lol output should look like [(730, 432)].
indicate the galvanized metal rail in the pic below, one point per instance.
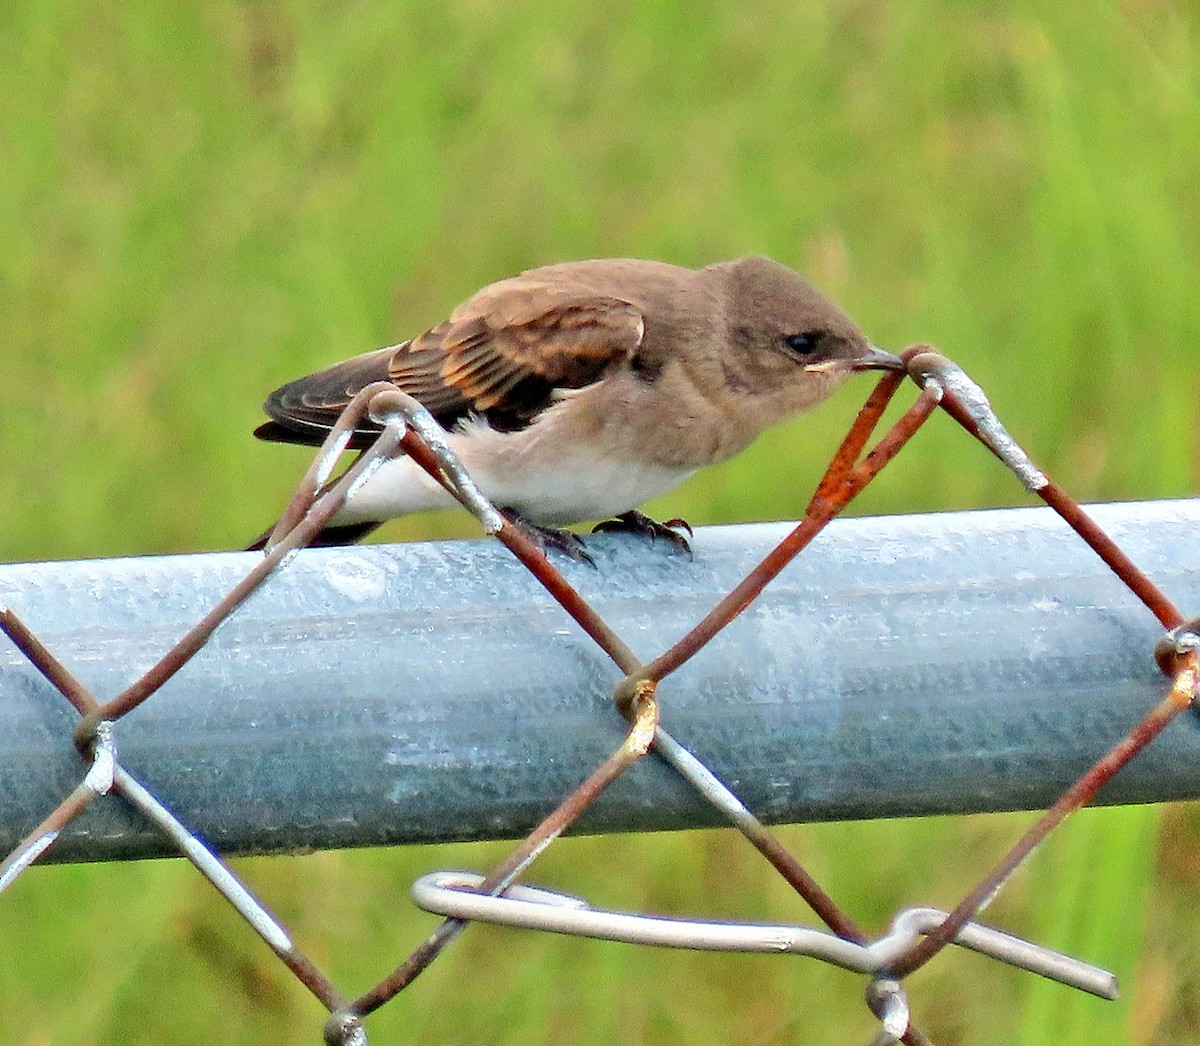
[(410, 693)]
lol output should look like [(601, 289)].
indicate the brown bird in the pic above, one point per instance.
[(578, 391)]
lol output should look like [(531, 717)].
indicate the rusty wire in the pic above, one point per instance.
[(407, 428)]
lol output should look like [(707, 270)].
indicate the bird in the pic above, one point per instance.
[(579, 390)]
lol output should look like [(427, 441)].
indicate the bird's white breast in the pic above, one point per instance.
[(545, 472)]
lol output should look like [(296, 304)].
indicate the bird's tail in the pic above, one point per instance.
[(347, 534)]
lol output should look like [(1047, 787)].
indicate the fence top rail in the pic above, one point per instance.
[(903, 665)]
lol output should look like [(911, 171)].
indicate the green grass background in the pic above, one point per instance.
[(200, 200)]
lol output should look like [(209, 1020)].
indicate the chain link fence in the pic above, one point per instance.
[(614, 613)]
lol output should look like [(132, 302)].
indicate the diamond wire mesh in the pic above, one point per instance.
[(406, 429)]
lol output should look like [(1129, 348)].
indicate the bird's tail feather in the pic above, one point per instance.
[(347, 534)]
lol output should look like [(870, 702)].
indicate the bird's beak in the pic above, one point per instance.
[(878, 359), (872, 359)]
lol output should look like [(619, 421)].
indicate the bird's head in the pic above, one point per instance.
[(790, 345)]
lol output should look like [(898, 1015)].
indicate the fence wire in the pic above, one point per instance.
[(915, 937)]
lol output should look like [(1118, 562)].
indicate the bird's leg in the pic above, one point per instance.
[(546, 538), (634, 522)]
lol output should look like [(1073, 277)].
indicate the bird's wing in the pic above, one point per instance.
[(502, 356), (304, 410)]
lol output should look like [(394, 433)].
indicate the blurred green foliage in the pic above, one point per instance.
[(201, 200)]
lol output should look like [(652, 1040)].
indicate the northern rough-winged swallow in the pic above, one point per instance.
[(578, 391)]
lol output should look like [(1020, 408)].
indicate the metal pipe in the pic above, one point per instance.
[(411, 693)]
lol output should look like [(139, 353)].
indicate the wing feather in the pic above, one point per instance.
[(502, 355)]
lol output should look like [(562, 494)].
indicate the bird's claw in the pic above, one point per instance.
[(567, 542), (634, 522)]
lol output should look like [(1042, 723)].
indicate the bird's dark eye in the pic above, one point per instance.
[(805, 344)]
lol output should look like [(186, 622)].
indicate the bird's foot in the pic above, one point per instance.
[(676, 531), (567, 542)]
